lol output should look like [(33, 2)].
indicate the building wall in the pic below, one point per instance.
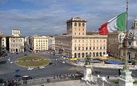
[(51, 43), (113, 46), (77, 44), (0, 46), (131, 44), (94, 45), (3, 44), (15, 32), (63, 45), (40, 43), (76, 26), (16, 44)]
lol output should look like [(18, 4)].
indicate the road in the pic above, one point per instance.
[(7, 71)]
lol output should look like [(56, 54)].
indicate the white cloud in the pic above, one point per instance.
[(51, 15)]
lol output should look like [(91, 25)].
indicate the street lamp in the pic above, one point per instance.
[(87, 59)]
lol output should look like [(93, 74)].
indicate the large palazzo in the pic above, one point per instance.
[(78, 43)]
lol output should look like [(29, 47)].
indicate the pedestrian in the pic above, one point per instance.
[(108, 77)]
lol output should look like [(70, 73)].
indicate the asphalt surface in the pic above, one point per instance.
[(8, 70)]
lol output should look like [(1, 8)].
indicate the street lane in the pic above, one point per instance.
[(7, 71)]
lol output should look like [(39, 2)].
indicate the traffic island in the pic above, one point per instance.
[(32, 61)]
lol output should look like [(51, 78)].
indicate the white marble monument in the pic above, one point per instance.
[(125, 78), (88, 73)]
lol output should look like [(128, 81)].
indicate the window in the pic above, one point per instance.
[(75, 55), (93, 48), (96, 53), (78, 54), (82, 48), (82, 54), (75, 24), (90, 48), (78, 48), (93, 54), (100, 54), (79, 24), (129, 43), (83, 24), (86, 48)]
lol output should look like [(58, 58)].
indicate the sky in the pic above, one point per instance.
[(48, 17)]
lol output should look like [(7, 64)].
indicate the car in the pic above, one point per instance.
[(17, 75), (63, 62), (41, 67), (25, 54), (3, 62), (50, 63), (26, 77), (30, 68), (11, 62), (17, 70)]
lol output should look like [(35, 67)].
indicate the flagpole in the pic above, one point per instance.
[(126, 39)]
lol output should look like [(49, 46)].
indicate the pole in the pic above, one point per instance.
[(126, 67)]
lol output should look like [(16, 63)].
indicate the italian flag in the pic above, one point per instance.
[(114, 24)]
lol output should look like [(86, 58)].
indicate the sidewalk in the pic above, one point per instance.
[(101, 65)]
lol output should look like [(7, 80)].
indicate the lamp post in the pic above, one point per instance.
[(88, 69)]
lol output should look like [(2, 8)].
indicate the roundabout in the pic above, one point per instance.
[(32, 61)]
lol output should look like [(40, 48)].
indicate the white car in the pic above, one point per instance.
[(63, 62), (41, 67), (30, 68)]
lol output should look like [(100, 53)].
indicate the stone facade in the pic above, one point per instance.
[(132, 43), (39, 43), (15, 44), (77, 44)]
